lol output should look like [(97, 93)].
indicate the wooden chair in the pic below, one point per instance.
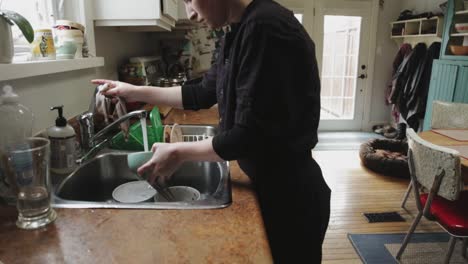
[(438, 189), (445, 115)]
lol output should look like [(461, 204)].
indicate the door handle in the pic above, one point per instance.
[(362, 76)]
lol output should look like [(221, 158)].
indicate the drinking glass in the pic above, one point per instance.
[(28, 167)]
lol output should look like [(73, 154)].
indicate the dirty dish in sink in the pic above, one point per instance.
[(133, 192), (180, 193)]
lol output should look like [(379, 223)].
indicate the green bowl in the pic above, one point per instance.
[(137, 159)]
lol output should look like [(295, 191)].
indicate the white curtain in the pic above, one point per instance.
[(40, 13)]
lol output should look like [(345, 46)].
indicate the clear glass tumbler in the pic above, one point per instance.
[(28, 165)]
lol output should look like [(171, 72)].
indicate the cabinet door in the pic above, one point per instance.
[(442, 88), (461, 90), (171, 8), (126, 10), (182, 15)]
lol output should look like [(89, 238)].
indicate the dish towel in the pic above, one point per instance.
[(111, 108)]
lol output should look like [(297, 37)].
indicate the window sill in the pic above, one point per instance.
[(37, 68)]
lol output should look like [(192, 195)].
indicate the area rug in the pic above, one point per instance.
[(424, 248)]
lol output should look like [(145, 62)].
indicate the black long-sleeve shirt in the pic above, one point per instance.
[(266, 84)]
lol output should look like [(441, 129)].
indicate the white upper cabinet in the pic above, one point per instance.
[(170, 8), (182, 13), (154, 14)]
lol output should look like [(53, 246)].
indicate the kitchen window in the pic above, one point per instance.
[(299, 17), (44, 13), (40, 13)]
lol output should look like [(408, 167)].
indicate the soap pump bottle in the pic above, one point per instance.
[(62, 144)]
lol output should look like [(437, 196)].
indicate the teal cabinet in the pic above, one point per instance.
[(449, 82), (449, 79), (455, 14)]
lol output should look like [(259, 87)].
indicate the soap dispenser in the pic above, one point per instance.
[(62, 144)]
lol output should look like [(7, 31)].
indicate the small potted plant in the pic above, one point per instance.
[(7, 19)]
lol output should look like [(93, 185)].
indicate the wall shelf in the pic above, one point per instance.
[(36, 68), (413, 31), (459, 35), (415, 36)]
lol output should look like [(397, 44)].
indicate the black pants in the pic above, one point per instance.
[(295, 205)]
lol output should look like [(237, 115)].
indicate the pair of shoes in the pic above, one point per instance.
[(401, 131)]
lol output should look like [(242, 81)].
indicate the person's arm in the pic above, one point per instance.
[(168, 157), (201, 94), (192, 95), (171, 96)]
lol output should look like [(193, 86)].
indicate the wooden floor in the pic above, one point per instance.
[(356, 190)]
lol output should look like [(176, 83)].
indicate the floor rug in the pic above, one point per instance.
[(424, 248)]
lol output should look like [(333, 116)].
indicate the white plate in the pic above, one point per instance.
[(133, 192)]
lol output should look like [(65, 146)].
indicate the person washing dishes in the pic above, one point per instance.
[(267, 88)]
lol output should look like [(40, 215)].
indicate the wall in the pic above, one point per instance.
[(117, 46), (295, 5), (384, 55), (73, 89), (420, 6)]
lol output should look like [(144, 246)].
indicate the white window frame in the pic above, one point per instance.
[(83, 12)]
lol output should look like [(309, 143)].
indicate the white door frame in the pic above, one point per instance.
[(310, 7)]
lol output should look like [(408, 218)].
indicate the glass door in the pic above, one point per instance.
[(342, 41)]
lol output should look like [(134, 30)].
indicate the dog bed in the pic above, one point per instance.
[(386, 156)]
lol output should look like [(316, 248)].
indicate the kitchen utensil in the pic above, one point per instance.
[(28, 168), (459, 50), (180, 193), (135, 135), (136, 160), (167, 134), (461, 27), (176, 134)]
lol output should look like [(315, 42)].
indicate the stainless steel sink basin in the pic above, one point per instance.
[(92, 184)]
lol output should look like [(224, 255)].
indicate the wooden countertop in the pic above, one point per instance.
[(231, 235)]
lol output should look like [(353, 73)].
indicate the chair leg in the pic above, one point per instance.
[(410, 187), (409, 234), (450, 249), (464, 247)]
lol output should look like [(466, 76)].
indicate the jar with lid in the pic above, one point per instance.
[(17, 120)]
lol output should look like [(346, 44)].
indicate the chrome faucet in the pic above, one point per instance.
[(90, 142)]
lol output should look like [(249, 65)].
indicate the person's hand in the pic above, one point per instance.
[(118, 89), (165, 161)]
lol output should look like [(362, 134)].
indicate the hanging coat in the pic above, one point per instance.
[(406, 74), (419, 88)]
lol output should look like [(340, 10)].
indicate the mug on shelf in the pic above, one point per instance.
[(43, 47)]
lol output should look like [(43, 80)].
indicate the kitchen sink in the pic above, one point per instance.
[(92, 184)]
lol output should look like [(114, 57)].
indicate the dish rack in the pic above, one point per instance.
[(194, 133), (195, 138)]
